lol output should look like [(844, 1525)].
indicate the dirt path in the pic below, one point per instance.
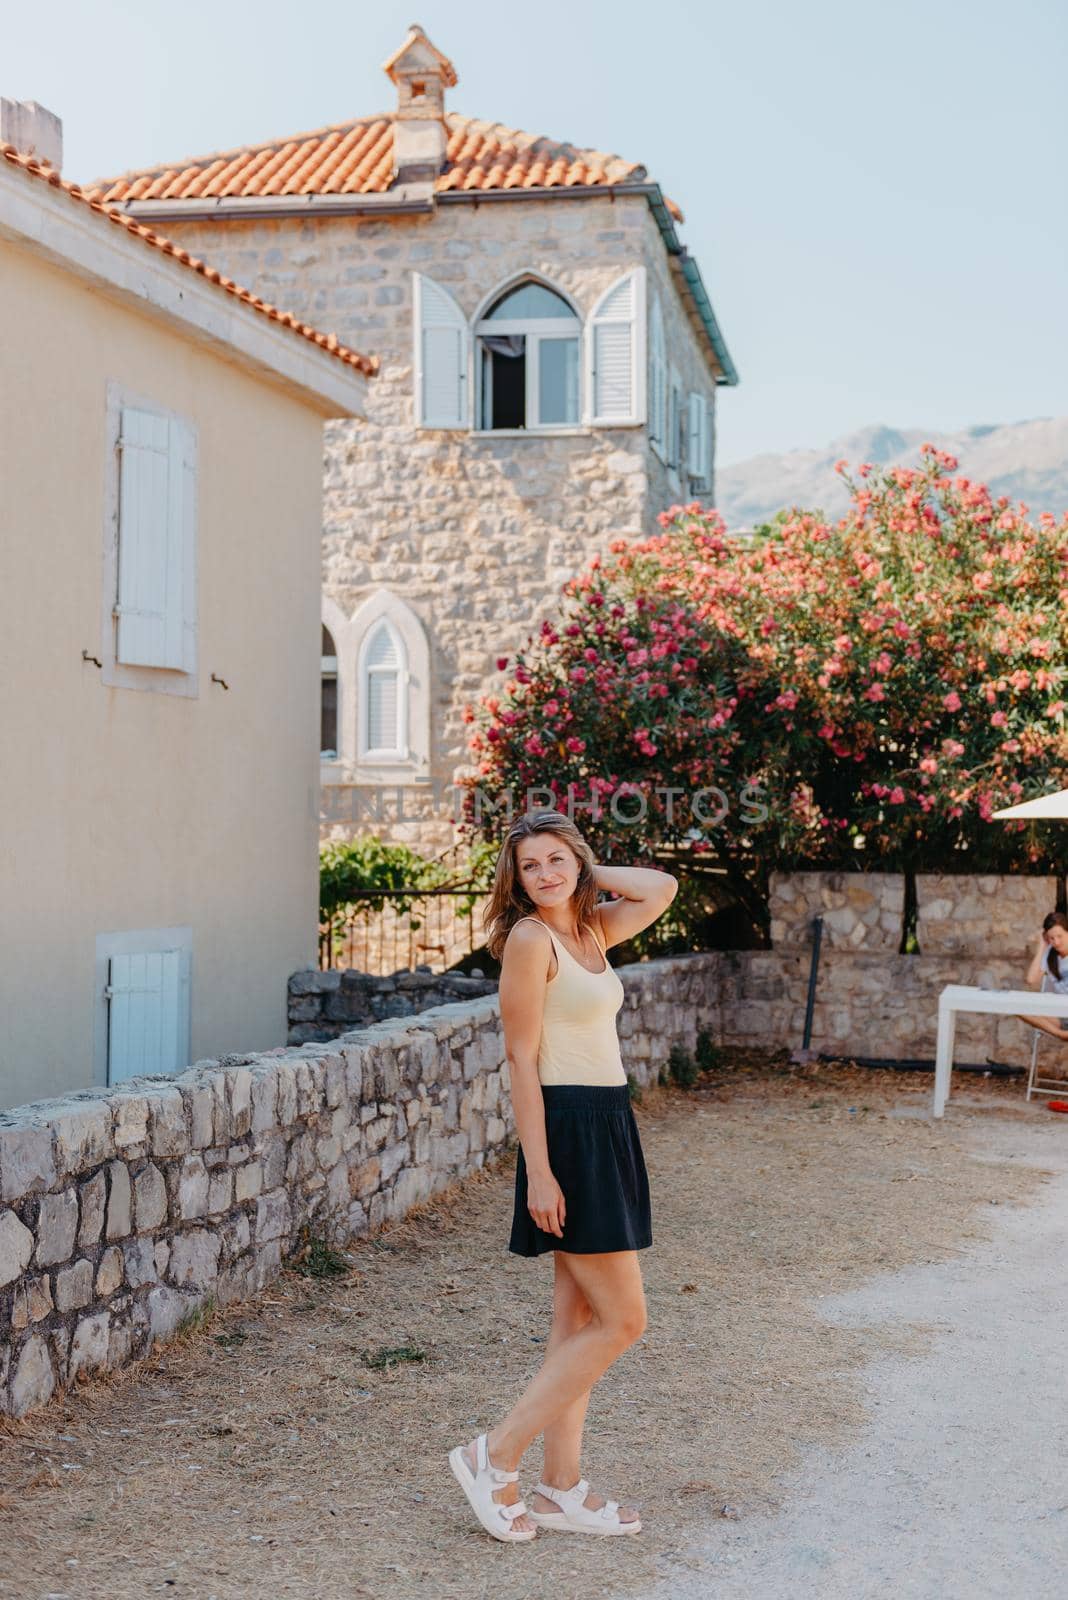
[(273, 1454), (956, 1488)]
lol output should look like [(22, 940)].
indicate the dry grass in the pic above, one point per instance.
[(294, 1446)]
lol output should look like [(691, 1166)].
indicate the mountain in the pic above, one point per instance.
[(1025, 460)]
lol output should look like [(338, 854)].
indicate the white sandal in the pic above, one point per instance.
[(479, 1487), (574, 1516)]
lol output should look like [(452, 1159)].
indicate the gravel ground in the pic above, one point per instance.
[(294, 1447)]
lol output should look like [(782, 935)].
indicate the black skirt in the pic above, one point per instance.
[(595, 1156)]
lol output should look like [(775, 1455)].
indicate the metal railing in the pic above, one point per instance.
[(390, 930)]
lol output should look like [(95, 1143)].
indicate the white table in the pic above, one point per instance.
[(957, 997)]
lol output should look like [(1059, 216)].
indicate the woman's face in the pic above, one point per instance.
[(546, 868), (1058, 938)]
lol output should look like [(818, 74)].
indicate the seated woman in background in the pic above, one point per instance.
[(1050, 962)]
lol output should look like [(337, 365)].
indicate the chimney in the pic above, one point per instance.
[(421, 74), (33, 130)]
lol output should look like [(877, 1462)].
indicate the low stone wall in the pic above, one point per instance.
[(883, 1007), (324, 1005), (871, 1000), (122, 1210)]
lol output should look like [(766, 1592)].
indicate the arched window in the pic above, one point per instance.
[(328, 719), (383, 701), (527, 360)]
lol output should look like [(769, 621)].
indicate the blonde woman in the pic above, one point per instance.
[(581, 1188)]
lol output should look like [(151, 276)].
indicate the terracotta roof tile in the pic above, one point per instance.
[(144, 186), (357, 158)]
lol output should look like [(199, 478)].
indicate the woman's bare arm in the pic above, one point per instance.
[(1038, 963), (521, 993), (646, 891)]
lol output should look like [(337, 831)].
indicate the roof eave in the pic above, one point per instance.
[(422, 198), (249, 208), (43, 220)]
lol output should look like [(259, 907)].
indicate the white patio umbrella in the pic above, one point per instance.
[(1047, 805)]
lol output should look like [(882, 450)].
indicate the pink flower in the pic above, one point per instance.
[(897, 797), (999, 720), (875, 691), (952, 701), (575, 745), (929, 764)]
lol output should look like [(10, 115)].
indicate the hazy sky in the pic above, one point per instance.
[(875, 193)]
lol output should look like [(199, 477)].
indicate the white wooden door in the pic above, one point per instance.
[(147, 1011)]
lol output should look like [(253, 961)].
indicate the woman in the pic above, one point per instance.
[(581, 1188), (1050, 963)]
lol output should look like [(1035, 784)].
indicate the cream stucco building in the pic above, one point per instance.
[(551, 363), (160, 518)]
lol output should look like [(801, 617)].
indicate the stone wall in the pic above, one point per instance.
[(324, 1005), (871, 1000), (122, 1210)]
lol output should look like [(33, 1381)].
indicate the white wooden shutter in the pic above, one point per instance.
[(657, 378), (674, 419), (697, 443), (382, 683), (615, 352), (147, 995), (440, 360), (156, 604), (184, 447)]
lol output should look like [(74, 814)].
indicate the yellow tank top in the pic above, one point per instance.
[(579, 1042)]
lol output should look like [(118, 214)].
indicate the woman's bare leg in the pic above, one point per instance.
[(611, 1285), (562, 1439), (1047, 1025)]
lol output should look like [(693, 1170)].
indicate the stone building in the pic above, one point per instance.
[(550, 361)]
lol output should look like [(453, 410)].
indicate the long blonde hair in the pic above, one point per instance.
[(508, 899)]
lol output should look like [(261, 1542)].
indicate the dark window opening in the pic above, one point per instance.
[(504, 386), (328, 717)]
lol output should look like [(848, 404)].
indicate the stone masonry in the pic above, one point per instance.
[(122, 1210), (324, 1005)]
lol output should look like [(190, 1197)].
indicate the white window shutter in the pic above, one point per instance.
[(147, 997), (440, 358), (674, 418), (657, 377), (615, 352), (184, 453), (697, 444), (156, 544)]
